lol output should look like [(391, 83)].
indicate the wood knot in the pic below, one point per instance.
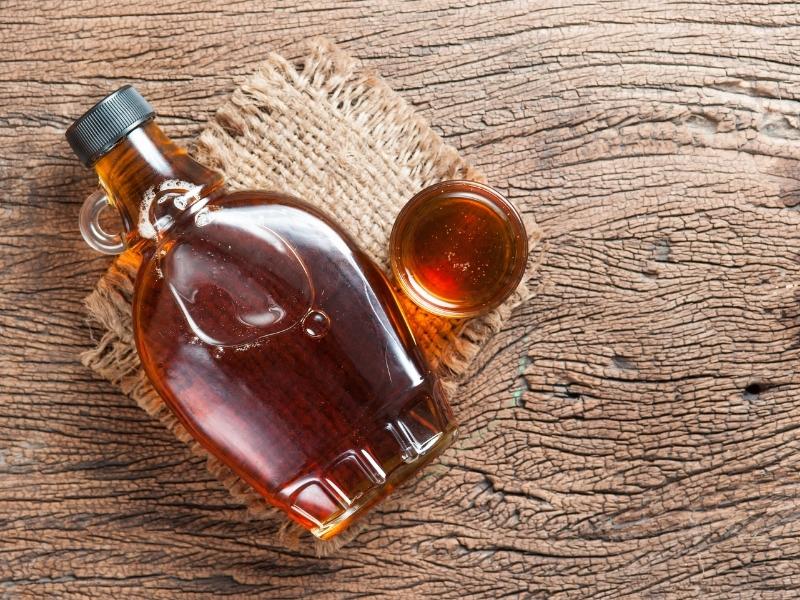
[(754, 390)]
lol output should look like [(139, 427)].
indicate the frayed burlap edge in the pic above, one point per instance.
[(338, 79)]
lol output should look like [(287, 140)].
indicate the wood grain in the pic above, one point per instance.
[(634, 430)]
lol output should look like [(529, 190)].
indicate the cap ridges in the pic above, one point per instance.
[(107, 122)]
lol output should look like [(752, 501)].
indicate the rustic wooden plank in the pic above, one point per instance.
[(632, 432)]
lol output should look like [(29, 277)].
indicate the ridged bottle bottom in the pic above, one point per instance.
[(327, 501)]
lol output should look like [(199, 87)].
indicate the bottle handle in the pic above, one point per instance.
[(91, 230)]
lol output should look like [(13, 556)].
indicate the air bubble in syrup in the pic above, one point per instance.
[(203, 217), (316, 324)]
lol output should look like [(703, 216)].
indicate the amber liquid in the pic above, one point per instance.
[(458, 252), (277, 343)]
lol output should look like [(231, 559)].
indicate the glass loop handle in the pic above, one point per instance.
[(91, 230)]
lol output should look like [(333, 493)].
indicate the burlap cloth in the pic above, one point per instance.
[(336, 135)]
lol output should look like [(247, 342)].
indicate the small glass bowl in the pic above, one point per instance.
[(458, 249)]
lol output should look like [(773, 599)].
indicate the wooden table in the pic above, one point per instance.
[(638, 430)]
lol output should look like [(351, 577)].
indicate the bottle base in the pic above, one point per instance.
[(363, 504), (326, 500)]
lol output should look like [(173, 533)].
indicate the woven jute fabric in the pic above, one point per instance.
[(328, 131)]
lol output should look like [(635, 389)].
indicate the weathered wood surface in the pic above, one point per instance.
[(634, 430)]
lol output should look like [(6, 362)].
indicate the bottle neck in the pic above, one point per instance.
[(152, 181)]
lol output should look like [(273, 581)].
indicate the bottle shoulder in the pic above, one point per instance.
[(256, 226), (254, 236), (267, 199)]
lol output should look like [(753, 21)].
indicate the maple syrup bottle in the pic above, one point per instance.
[(277, 343)]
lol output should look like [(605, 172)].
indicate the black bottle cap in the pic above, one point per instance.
[(107, 122)]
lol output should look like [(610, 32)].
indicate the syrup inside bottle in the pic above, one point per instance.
[(278, 344)]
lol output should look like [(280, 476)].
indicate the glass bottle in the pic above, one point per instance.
[(277, 343)]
